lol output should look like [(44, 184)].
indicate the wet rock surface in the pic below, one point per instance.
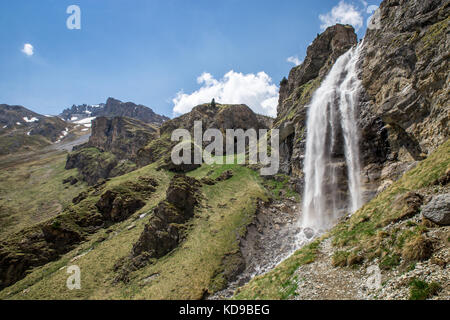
[(272, 237)]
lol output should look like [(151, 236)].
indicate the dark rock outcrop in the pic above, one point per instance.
[(92, 164), (120, 136), (120, 203), (166, 228)]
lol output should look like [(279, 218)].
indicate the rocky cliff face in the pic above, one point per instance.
[(404, 104), (405, 72), (296, 92), (121, 136), (112, 148), (114, 108), (220, 117)]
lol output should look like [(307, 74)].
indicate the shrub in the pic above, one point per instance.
[(421, 290)]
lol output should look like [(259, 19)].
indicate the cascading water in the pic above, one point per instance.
[(332, 157), (332, 146)]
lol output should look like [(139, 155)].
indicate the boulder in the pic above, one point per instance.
[(438, 209)]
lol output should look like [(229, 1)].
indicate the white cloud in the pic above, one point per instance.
[(295, 60), (255, 90), (28, 49), (343, 13)]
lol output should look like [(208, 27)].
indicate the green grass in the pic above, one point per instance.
[(361, 236), (421, 290), (363, 229), (32, 192), (279, 187), (20, 141), (187, 272), (280, 283)]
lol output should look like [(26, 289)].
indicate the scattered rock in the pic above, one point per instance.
[(225, 176), (309, 233)]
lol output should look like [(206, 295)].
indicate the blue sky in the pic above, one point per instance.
[(163, 54)]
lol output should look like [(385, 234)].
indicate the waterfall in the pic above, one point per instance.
[(332, 146)]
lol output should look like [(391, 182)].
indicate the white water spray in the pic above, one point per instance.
[(331, 119)]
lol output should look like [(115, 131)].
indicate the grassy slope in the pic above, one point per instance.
[(361, 233), (32, 191), (195, 266)]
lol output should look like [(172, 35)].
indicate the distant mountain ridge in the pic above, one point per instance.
[(113, 108), (21, 128)]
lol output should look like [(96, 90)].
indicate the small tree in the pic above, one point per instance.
[(213, 103)]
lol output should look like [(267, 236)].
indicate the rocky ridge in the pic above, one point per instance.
[(24, 130), (114, 108)]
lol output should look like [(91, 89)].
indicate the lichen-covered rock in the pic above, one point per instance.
[(438, 209), (225, 176), (119, 203), (116, 206)]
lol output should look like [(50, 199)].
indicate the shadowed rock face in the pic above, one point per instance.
[(296, 92), (164, 230), (121, 136)]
